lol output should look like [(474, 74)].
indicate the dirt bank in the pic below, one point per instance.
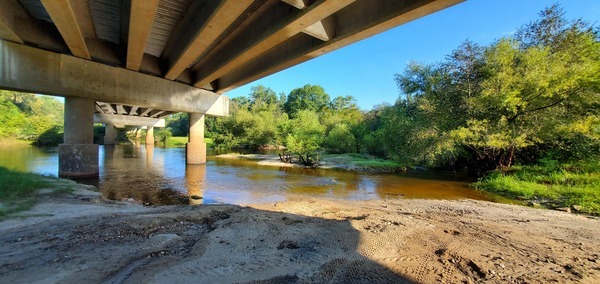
[(83, 239)]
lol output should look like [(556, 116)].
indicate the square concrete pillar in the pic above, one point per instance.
[(110, 134), (196, 148), (195, 153), (150, 135), (78, 160), (78, 156)]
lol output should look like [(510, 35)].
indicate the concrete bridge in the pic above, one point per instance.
[(171, 55)]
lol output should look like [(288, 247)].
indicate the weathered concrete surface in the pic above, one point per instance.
[(33, 70), (110, 134), (150, 136), (128, 120), (196, 148), (79, 120), (78, 157), (196, 153), (78, 160)]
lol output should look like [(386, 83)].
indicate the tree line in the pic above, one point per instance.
[(33, 118), (522, 98)]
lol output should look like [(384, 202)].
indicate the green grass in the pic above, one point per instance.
[(18, 189), (553, 184), (180, 141)]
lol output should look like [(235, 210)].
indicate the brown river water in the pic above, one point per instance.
[(159, 176)]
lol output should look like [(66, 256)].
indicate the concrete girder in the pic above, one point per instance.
[(357, 21), (140, 23), (133, 110), (7, 26), (64, 18), (206, 21), (258, 41), (128, 120), (33, 70)]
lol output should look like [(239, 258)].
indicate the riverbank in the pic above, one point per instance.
[(349, 162), (82, 237)]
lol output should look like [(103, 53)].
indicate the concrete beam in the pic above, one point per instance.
[(262, 41), (63, 16), (205, 24), (300, 4), (7, 26), (33, 70), (323, 30), (128, 120), (357, 21), (140, 23)]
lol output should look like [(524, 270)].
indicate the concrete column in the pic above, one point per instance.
[(110, 134), (78, 156), (195, 176), (150, 135), (196, 148)]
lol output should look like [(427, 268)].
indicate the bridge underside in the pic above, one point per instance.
[(162, 56)]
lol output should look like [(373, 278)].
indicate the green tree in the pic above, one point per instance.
[(163, 135), (178, 124), (309, 97), (489, 106), (306, 135)]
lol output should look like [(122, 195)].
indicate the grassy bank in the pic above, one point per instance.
[(550, 184), (179, 141), (18, 189)]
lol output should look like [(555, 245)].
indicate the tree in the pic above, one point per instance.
[(163, 135), (306, 135), (309, 97), (487, 105), (178, 124)]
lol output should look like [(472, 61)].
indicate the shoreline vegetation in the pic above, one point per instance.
[(18, 190)]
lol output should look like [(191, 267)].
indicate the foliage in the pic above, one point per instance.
[(17, 189), (489, 107), (27, 117), (551, 182), (163, 135), (178, 124), (309, 97), (305, 136)]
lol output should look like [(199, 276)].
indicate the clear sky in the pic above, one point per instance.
[(365, 70)]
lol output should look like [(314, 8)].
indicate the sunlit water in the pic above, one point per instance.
[(158, 176)]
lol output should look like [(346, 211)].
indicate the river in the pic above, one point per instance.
[(159, 176)]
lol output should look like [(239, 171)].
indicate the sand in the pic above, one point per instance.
[(82, 238)]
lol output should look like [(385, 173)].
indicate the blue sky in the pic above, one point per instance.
[(366, 69)]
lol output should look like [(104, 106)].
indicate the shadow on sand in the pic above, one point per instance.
[(199, 244)]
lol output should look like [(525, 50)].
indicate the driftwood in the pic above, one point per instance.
[(286, 157)]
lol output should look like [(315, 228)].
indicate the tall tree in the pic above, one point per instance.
[(309, 97)]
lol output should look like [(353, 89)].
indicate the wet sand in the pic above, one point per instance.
[(82, 238)]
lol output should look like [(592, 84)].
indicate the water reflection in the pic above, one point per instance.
[(155, 175)]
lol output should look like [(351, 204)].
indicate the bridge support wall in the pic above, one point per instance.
[(150, 135), (110, 134), (196, 148), (78, 156)]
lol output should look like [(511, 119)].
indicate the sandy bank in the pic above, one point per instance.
[(82, 238)]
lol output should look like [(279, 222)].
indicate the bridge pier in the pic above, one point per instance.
[(110, 134), (150, 135), (196, 148), (78, 156)]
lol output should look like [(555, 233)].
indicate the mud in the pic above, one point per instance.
[(85, 239)]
